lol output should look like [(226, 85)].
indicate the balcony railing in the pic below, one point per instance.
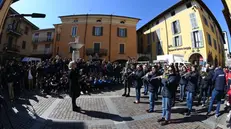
[(42, 52), (42, 39), (100, 52), (13, 29), (13, 48)]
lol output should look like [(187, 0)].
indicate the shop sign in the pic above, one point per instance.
[(177, 49)]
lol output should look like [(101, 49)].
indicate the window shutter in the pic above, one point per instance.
[(172, 28), (201, 38), (101, 31), (192, 40), (118, 32), (158, 35), (126, 32), (173, 41), (193, 20), (180, 41), (178, 26), (93, 30), (161, 48), (153, 36)]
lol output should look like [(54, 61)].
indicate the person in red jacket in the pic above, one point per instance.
[(228, 78)]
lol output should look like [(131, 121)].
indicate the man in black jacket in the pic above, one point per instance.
[(218, 91)]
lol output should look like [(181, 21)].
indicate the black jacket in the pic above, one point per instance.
[(183, 80), (204, 81), (137, 81), (193, 79), (168, 86), (153, 83), (74, 83), (219, 79)]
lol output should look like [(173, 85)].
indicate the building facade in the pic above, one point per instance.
[(226, 49), (4, 7), (16, 38), (227, 12), (187, 28), (42, 41), (110, 37)]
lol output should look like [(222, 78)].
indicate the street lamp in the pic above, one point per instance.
[(33, 15)]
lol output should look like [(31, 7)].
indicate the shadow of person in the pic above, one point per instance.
[(104, 115), (193, 118)]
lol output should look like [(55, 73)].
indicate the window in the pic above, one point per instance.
[(23, 44), (149, 38), (205, 21), (97, 31), (193, 20), (209, 39), (36, 37), (176, 27), (58, 37), (177, 41), (122, 32), (159, 48), (49, 36), (188, 5), (74, 31), (172, 13), (121, 48), (98, 20), (47, 45), (1, 3), (96, 47), (26, 30), (75, 20), (212, 28), (122, 22), (202, 9), (215, 44), (197, 39), (157, 22), (35, 46)]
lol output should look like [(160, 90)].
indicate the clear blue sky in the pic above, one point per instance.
[(143, 9)]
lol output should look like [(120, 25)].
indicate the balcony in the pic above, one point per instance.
[(11, 48), (100, 52), (42, 39), (42, 52), (13, 29)]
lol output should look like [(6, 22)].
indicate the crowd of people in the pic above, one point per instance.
[(56, 76), (205, 85)]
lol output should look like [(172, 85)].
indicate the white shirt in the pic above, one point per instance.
[(30, 75)]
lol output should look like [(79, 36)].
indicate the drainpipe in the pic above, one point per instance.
[(85, 35), (109, 49), (166, 29)]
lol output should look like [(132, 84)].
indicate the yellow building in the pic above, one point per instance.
[(187, 28), (227, 12), (42, 43), (16, 38), (4, 7)]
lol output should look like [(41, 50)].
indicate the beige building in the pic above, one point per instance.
[(227, 12), (4, 7), (16, 38), (42, 41)]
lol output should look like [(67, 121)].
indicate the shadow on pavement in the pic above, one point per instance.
[(103, 115), (192, 118)]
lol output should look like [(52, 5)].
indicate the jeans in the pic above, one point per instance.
[(182, 91), (203, 96), (145, 87), (127, 87), (189, 100), (216, 95), (138, 94), (11, 90), (151, 101), (166, 108)]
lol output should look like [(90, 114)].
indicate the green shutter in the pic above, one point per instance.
[(101, 31)]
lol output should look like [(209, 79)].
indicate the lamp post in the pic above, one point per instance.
[(76, 45), (33, 15)]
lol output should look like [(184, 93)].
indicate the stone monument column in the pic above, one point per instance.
[(76, 45)]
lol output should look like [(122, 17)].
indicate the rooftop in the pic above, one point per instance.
[(100, 15)]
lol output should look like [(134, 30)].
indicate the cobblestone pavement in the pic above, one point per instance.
[(105, 110)]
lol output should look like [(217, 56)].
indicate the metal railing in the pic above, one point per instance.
[(12, 28), (100, 52), (42, 39), (8, 47)]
